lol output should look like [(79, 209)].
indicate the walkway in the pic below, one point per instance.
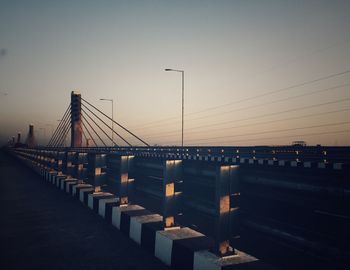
[(44, 228)]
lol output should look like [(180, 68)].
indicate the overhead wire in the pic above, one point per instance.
[(261, 123), (268, 103), (275, 131), (250, 98), (281, 137)]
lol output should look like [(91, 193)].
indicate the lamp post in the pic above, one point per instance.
[(183, 99), (111, 100)]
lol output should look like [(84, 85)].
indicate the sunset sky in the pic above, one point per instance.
[(249, 68)]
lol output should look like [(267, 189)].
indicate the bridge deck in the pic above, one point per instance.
[(43, 228)]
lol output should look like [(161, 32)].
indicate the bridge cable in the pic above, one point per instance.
[(99, 127), (94, 130), (58, 126), (116, 123), (63, 123), (92, 138), (107, 125), (62, 131), (64, 135), (53, 138)]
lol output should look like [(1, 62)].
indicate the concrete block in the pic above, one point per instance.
[(117, 211), (102, 205), (83, 194), (93, 199), (64, 182), (59, 179), (76, 189), (167, 246), (70, 184), (126, 217), (205, 260), (138, 222)]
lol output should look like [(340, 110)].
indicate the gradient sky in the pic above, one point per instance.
[(230, 51)]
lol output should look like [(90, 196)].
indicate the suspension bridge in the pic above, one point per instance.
[(201, 207)]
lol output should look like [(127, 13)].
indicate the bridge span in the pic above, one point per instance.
[(204, 207)]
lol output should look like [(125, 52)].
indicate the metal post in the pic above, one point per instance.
[(183, 107), (111, 100), (183, 101)]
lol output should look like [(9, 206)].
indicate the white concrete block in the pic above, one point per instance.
[(102, 205), (82, 192), (136, 225), (165, 239), (116, 213), (205, 260)]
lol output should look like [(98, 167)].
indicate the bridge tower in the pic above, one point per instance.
[(76, 124), (31, 141)]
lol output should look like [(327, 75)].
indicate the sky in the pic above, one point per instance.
[(256, 72)]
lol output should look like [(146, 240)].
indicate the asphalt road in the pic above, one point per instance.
[(44, 228)]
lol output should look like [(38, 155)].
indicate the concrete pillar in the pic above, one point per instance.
[(95, 171), (226, 184), (171, 203), (31, 141), (76, 122)]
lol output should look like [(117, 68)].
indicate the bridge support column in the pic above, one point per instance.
[(80, 163), (171, 203), (226, 184), (95, 171), (68, 166), (76, 121)]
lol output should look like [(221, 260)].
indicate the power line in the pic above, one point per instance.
[(274, 101), (260, 123), (267, 103), (252, 98), (274, 131), (274, 113), (269, 114), (288, 136)]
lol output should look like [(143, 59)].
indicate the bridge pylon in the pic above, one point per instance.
[(76, 120)]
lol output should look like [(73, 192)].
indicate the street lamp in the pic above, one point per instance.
[(183, 99), (111, 100)]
